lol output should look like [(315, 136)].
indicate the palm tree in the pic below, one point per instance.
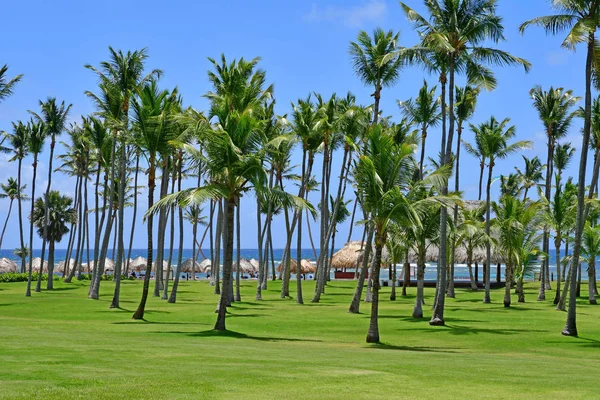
[(53, 222), (19, 142), (532, 174), (424, 111), (581, 19), (470, 233), (376, 62), (153, 128), (590, 248), (54, 117), (194, 215), (494, 136), (10, 190), (125, 72), (554, 108), (7, 87), (477, 150), (37, 136), (514, 220), (380, 174), (456, 32)]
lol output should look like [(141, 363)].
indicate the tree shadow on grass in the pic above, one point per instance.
[(61, 289), (234, 307), (246, 315), (237, 335), (385, 346), (424, 319), (6, 304), (158, 323), (579, 341), (459, 330)]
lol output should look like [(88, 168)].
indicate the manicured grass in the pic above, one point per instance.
[(61, 345)]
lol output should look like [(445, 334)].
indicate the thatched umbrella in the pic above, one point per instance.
[(60, 267), (165, 265), (255, 264), (245, 265), (348, 257), (109, 265), (37, 263), (8, 265), (138, 264), (205, 265), (190, 265), (306, 267)]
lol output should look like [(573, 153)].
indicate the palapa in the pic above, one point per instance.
[(7, 265), (306, 267), (349, 256), (190, 265), (60, 267), (37, 263), (139, 264), (205, 265), (244, 265)]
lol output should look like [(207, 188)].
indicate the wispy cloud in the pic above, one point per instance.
[(556, 58), (354, 16)]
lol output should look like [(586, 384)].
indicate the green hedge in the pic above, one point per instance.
[(18, 277)]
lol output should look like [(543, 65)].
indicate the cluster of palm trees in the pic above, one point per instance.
[(240, 147)]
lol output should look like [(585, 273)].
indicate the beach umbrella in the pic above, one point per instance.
[(348, 257), (37, 263), (306, 267), (8, 265), (244, 265), (138, 264), (60, 267), (205, 265), (190, 265)]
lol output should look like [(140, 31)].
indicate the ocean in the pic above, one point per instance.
[(461, 270)]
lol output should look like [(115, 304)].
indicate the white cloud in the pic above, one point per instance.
[(354, 16)]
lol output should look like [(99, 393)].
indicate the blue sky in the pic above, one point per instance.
[(303, 46)]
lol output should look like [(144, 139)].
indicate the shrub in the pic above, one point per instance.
[(22, 277)]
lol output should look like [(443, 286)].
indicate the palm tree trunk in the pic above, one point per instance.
[(420, 299), (488, 250), (80, 231), (121, 224), (238, 296), (87, 223), (299, 297), (508, 278), (8, 217), (70, 274), (173, 296), (139, 313), (46, 207), (422, 158), (162, 227), (133, 218), (285, 271), (259, 239), (393, 279), (21, 219), (470, 267), (165, 294), (351, 221), (547, 192), (30, 271), (216, 265), (211, 239), (557, 242), (591, 278), (481, 169), (50, 284), (310, 237), (355, 304), (579, 280), (98, 223), (228, 217), (373, 333), (109, 193), (571, 323)]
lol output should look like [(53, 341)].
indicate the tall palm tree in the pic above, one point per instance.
[(495, 136), (7, 87), (54, 117), (37, 136), (53, 222), (555, 110), (125, 72), (376, 62), (424, 111), (477, 150), (380, 174), (194, 215), (19, 142), (590, 248), (532, 174), (11, 191), (153, 128), (580, 18), (470, 233), (456, 32)]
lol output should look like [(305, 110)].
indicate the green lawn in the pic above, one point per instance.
[(61, 345)]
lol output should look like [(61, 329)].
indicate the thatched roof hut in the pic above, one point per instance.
[(205, 265), (165, 265), (60, 267), (306, 267), (109, 265), (255, 264), (348, 256), (37, 263), (190, 265), (7, 265), (244, 265), (138, 264)]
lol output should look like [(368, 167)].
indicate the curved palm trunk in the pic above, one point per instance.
[(571, 323), (109, 193), (7, 218), (99, 223), (216, 266), (355, 304), (30, 269), (310, 237), (165, 294), (393, 279), (405, 274), (46, 216), (373, 333), (481, 170), (80, 231), (139, 313), (228, 217), (162, 227), (508, 278), (557, 242), (21, 222), (547, 192), (259, 238), (173, 296), (133, 218), (121, 225), (422, 158), (591, 276), (470, 267), (455, 216), (211, 219), (488, 250)]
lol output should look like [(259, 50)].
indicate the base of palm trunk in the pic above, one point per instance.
[(593, 301), (541, 297), (506, 304), (521, 300), (372, 337), (139, 314), (354, 309), (417, 313), (437, 321), (486, 299), (569, 332), (172, 301)]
